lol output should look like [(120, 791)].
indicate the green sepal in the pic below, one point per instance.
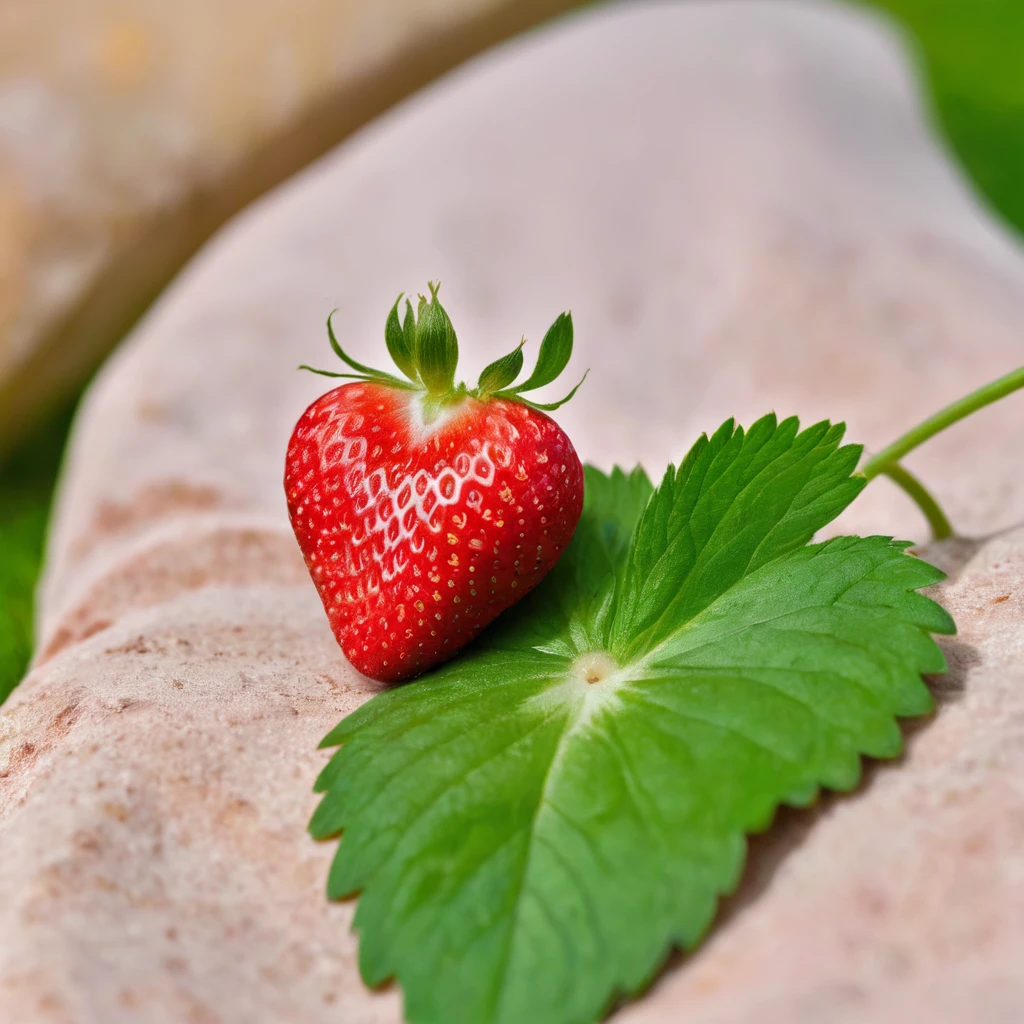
[(400, 344), (513, 395), (409, 331), (555, 350), (501, 372), (366, 372), (379, 378), (437, 348), (425, 348), (331, 373), (342, 354)]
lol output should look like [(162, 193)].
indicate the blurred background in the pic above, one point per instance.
[(131, 129)]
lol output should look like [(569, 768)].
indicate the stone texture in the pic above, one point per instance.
[(130, 129), (746, 210)]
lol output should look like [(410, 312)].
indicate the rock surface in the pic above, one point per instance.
[(129, 130), (745, 210)]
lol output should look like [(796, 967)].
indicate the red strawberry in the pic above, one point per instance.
[(425, 509)]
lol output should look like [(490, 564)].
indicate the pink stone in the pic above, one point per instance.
[(745, 210)]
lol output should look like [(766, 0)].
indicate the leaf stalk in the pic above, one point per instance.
[(886, 462), (941, 526)]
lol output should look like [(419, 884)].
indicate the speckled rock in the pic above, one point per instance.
[(745, 210), (129, 130)]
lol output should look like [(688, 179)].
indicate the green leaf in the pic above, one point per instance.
[(737, 501), (578, 597), (555, 350), (501, 372), (537, 823)]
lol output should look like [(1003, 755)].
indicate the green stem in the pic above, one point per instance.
[(886, 461), (941, 528)]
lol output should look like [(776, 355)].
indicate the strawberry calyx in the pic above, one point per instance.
[(424, 347)]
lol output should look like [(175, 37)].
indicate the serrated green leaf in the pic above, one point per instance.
[(578, 598), (529, 843), (555, 350), (737, 501)]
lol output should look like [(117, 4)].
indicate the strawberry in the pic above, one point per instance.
[(424, 509)]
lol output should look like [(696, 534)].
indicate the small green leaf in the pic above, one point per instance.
[(501, 372), (398, 345), (555, 350), (535, 824), (437, 348)]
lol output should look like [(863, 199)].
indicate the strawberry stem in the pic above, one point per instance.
[(885, 463)]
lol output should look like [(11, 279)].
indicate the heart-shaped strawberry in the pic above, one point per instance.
[(423, 508)]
